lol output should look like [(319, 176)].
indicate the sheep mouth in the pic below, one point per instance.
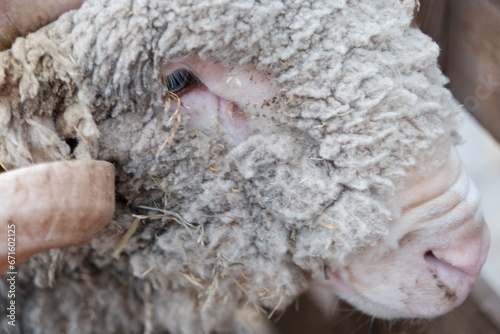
[(446, 295)]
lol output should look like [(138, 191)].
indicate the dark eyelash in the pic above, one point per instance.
[(179, 80)]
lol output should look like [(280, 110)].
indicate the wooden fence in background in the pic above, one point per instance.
[(468, 32)]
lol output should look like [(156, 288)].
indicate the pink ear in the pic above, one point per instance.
[(54, 205)]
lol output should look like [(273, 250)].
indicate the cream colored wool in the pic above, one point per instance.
[(361, 98)]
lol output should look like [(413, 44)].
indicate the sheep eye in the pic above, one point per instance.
[(179, 80)]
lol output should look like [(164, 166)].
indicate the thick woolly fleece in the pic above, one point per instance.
[(361, 98)]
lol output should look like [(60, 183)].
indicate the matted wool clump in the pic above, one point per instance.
[(360, 99)]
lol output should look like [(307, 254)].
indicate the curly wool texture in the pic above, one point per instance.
[(361, 98)]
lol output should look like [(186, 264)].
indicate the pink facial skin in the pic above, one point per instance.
[(216, 102), (438, 240), (436, 249)]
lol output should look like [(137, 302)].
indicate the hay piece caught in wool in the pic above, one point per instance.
[(363, 98)]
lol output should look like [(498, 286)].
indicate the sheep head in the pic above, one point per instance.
[(263, 146)]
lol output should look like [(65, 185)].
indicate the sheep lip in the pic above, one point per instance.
[(341, 285), (347, 292)]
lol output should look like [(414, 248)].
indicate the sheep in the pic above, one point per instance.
[(260, 148)]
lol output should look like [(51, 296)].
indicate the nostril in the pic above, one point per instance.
[(434, 262), (454, 262), (430, 257), (442, 267), (466, 256)]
